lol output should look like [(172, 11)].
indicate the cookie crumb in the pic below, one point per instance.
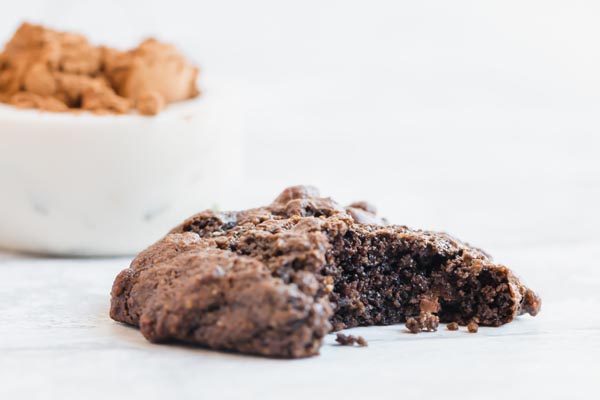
[(350, 340), (531, 303), (413, 325), (473, 327), (452, 326), (344, 340), (428, 321)]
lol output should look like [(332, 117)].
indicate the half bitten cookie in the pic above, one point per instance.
[(275, 280)]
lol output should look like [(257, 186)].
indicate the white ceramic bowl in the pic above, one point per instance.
[(111, 185)]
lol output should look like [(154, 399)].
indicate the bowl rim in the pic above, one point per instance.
[(182, 109)]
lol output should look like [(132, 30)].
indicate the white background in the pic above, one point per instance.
[(480, 118), (441, 113)]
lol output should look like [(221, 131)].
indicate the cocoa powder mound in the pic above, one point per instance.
[(57, 71)]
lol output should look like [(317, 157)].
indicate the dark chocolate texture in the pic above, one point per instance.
[(275, 280)]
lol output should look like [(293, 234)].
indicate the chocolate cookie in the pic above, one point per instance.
[(274, 280)]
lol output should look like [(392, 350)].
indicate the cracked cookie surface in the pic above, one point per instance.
[(275, 280)]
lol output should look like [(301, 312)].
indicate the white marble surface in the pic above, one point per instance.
[(57, 342)]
